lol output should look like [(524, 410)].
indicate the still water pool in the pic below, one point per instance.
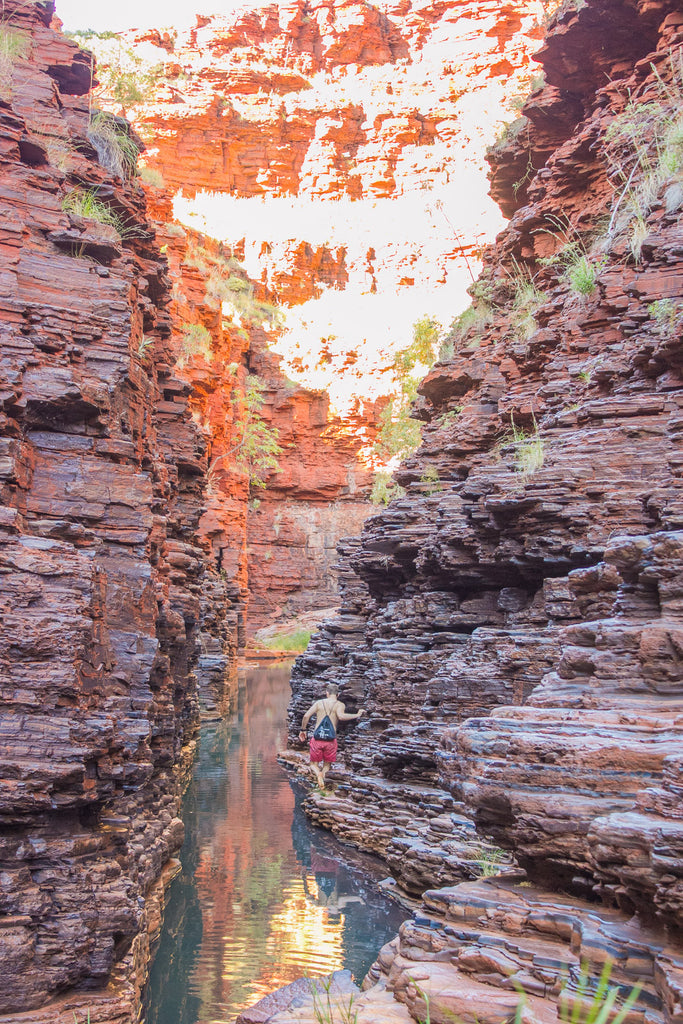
[(263, 898)]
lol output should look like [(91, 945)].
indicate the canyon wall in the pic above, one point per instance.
[(336, 127), (318, 495), (271, 537), (512, 625), (101, 479)]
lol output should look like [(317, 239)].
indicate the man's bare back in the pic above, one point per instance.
[(335, 711), (324, 752)]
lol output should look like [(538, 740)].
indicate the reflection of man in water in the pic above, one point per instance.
[(326, 873), (323, 752)]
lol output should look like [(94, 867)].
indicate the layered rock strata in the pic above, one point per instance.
[(317, 495), (335, 101), (271, 546), (339, 98), (512, 625), (101, 478), (322, 138), (479, 944)]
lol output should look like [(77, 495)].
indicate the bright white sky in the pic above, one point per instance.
[(124, 14)]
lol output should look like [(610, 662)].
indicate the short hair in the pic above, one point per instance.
[(332, 688)]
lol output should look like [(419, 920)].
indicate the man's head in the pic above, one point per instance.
[(332, 690)]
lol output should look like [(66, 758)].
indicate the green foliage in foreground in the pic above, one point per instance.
[(591, 1002), (296, 642), (605, 1005)]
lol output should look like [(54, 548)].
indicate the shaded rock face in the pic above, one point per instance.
[(101, 474), (512, 625), (319, 495)]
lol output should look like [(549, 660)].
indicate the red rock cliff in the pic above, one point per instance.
[(335, 101), (271, 547), (101, 474), (512, 625)]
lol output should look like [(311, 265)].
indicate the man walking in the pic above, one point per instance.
[(328, 714)]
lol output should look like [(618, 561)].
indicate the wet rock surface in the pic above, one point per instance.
[(101, 474)]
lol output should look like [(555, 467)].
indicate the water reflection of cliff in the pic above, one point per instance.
[(262, 898)]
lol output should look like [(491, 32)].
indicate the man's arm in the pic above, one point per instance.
[(341, 714), (307, 717)]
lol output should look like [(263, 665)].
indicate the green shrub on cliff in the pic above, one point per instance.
[(124, 78), (399, 434), (529, 455), (227, 283), (384, 489), (116, 149), (667, 315), (508, 132), (152, 177), (644, 149), (579, 263), (447, 419), (14, 46), (431, 481), (527, 447), (421, 350), (582, 274), (490, 859), (86, 203), (196, 342), (471, 321), (257, 445), (526, 301)]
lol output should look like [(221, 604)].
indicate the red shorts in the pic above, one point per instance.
[(324, 750)]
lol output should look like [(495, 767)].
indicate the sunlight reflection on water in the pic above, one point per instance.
[(262, 898)]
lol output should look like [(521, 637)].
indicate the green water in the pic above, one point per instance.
[(263, 898)]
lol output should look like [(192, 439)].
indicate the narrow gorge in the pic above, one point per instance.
[(220, 248)]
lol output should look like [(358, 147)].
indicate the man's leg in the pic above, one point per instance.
[(320, 775), (326, 767)]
